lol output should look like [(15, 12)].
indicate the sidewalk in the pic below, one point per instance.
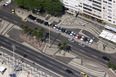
[(27, 69), (86, 66), (75, 24), (50, 51)]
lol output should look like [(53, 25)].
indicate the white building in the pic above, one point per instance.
[(100, 9)]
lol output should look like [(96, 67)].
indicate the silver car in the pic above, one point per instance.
[(81, 44)]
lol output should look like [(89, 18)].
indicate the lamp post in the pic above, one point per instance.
[(49, 35)]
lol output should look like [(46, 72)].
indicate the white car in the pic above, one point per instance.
[(8, 2), (90, 42), (82, 37), (76, 36), (71, 33), (71, 40), (81, 44)]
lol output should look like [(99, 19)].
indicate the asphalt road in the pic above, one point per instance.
[(87, 51), (23, 60), (38, 57), (92, 53)]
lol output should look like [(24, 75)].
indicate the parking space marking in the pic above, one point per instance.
[(58, 40), (5, 17)]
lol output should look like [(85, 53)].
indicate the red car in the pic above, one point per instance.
[(79, 37)]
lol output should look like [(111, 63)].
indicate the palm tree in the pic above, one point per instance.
[(63, 46), (42, 30), (26, 28), (59, 45), (34, 32), (22, 26)]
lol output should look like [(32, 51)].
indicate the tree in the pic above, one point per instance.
[(113, 66), (22, 26), (34, 32), (20, 2), (108, 64), (53, 7), (62, 46)]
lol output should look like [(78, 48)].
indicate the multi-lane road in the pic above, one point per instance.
[(87, 51), (38, 57)]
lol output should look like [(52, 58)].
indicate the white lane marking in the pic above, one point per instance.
[(17, 46), (3, 42), (94, 56), (15, 21), (28, 50), (77, 74), (6, 40), (5, 17), (82, 50), (51, 62), (37, 59), (49, 65), (58, 40)]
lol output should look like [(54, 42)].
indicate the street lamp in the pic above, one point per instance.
[(14, 48)]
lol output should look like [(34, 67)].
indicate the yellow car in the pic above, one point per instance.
[(13, 11), (23, 19), (83, 74)]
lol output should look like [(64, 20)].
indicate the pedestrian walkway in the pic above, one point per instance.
[(67, 54), (7, 61)]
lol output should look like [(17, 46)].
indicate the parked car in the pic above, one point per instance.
[(63, 30), (7, 3), (87, 41), (54, 26), (79, 37), (35, 11), (45, 23), (81, 44), (49, 24), (91, 40), (68, 32), (106, 58), (71, 40), (76, 36), (69, 71), (82, 37), (32, 17), (71, 33), (59, 28)]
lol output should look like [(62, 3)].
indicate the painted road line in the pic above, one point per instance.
[(82, 50), (5, 17), (15, 21), (94, 56), (58, 40)]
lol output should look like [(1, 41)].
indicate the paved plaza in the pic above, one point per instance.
[(8, 61), (67, 21)]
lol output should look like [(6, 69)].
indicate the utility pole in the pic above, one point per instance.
[(49, 35), (54, 40), (14, 48)]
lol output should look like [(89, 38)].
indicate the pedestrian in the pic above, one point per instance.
[(3, 62)]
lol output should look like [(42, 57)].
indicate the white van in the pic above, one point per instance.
[(8, 2)]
